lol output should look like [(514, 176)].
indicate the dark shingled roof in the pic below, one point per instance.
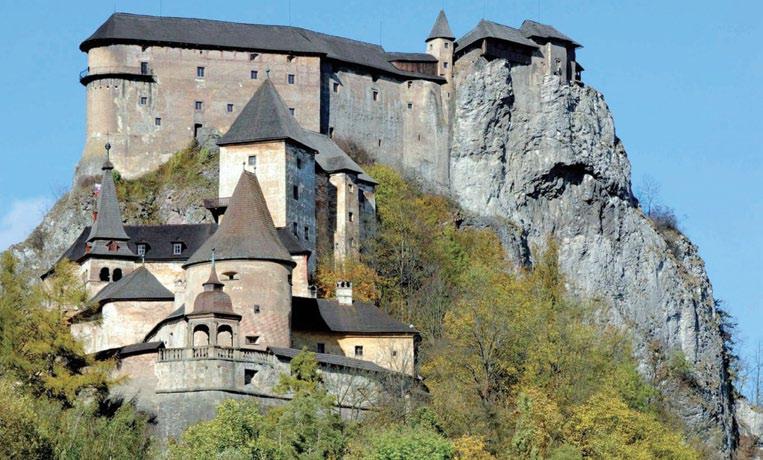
[(536, 29), (247, 232), (410, 57), (441, 28), (331, 158), (264, 118), (208, 34), (488, 29), (141, 284), (309, 314), (139, 348), (108, 222), (331, 360), (292, 244)]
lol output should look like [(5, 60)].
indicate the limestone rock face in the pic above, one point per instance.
[(546, 157)]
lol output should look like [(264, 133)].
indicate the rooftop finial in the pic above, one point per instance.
[(267, 73), (213, 283), (107, 164)]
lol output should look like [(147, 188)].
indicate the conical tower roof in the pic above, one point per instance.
[(265, 118), (108, 227), (247, 231), (441, 28)]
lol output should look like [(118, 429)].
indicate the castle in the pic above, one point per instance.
[(197, 313)]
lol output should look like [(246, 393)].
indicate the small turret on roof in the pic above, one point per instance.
[(107, 235), (247, 232), (265, 118), (441, 28), (213, 299)]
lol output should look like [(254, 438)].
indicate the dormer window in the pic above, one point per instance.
[(112, 246), (141, 249), (177, 249)]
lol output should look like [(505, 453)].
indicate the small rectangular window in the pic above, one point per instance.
[(320, 348), (229, 108), (358, 351), (375, 95), (256, 309), (158, 121), (445, 45), (199, 106), (410, 105), (394, 353), (141, 250), (252, 161), (291, 111), (249, 376), (379, 142), (290, 78), (295, 192), (253, 56), (253, 74), (351, 217), (294, 229), (199, 72), (331, 132), (177, 249), (410, 83), (144, 68), (445, 65), (299, 163), (307, 233), (336, 87), (143, 100)]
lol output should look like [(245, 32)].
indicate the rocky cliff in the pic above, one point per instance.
[(547, 158), (537, 159)]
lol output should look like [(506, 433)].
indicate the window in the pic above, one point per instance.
[(358, 351), (252, 339), (320, 348), (290, 58), (249, 376), (444, 65), (103, 275), (117, 275), (252, 161), (445, 45), (299, 163), (379, 142), (294, 228), (144, 68), (410, 105), (336, 87), (141, 250), (253, 56), (307, 233), (430, 46), (230, 276), (196, 128), (143, 100), (349, 187), (158, 121), (291, 111), (375, 94), (256, 309), (229, 108), (290, 79), (177, 249), (199, 72), (410, 83), (199, 105), (351, 217), (394, 353), (331, 132), (253, 74), (295, 192)]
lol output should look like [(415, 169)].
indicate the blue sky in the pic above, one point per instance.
[(683, 79)]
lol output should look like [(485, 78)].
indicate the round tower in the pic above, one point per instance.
[(440, 43)]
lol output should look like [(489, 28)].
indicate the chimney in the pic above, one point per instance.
[(344, 292)]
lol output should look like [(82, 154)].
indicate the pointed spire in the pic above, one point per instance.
[(212, 299), (441, 28), (107, 235), (213, 283), (247, 232), (264, 118)]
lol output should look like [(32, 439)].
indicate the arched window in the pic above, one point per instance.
[(225, 336), (103, 275), (200, 336), (117, 274)]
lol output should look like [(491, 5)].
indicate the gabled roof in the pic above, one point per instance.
[(247, 232), (410, 57), (309, 314), (331, 158), (124, 28), (264, 118), (489, 29), (330, 360), (140, 285), (536, 29), (441, 28)]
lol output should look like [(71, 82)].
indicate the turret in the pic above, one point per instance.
[(440, 43), (107, 258)]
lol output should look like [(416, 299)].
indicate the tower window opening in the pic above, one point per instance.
[(294, 228), (375, 95), (252, 339), (143, 100), (336, 87), (249, 376), (144, 68), (295, 192), (253, 56), (291, 111), (444, 65), (307, 233), (253, 74), (445, 45), (256, 309), (229, 108), (117, 274), (199, 106), (290, 79), (331, 132), (158, 121), (299, 163), (410, 105), (410, 83), (252, 161), (379, 142), (351, 217), (358, 351), (320, 347), (199, 72), (103, 274)]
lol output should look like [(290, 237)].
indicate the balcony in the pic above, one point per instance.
[(133, 73), (213, 352)]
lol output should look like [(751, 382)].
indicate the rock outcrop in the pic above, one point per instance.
[(546, 157)]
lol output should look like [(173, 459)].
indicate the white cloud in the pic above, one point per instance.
[(21, 218)]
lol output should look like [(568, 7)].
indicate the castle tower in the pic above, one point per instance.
[(255, 266), (213, 321), (440, 44), (108, 258), (266, 140)]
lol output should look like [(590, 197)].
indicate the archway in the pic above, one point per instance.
[(103, 275), (200, 336), (225, 336), (117, 274)]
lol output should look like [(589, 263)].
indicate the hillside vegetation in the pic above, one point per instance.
[(515, 367)]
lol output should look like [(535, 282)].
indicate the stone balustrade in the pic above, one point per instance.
[(213, 352)]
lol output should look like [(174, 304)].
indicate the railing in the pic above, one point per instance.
[(212, 352), (91, 73)]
